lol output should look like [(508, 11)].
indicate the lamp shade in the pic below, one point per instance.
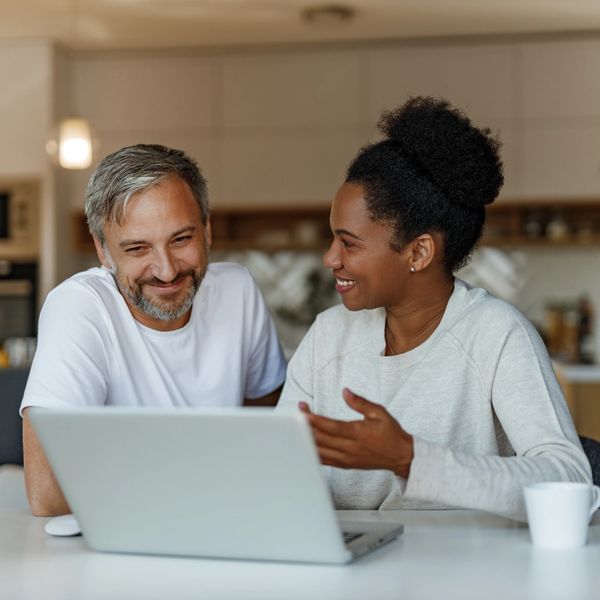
[(74, 143)]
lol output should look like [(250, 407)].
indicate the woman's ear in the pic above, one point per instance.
[(423, 251)]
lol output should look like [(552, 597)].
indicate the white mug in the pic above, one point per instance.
[(559, 512)]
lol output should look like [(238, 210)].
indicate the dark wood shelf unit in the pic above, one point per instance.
[(271, 228), (529, 223)]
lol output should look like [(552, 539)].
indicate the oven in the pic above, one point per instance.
[(18, 294)]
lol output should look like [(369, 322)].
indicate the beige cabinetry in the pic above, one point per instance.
[(581, 386), (559, 118), (25, 107), (585, 408)]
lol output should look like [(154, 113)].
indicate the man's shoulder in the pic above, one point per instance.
[(228, 277), (219, 270), (84, 292), (84, 282)]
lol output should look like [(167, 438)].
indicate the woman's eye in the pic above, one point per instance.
[(347, 244)]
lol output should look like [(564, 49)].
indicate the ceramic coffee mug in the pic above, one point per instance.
[(559, 512)]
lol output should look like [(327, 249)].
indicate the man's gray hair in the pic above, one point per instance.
[(133, 169)]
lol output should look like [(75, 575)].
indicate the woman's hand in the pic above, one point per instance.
[(375, 442)]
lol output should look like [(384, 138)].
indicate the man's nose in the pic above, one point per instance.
[(163, 266), (331, 258)]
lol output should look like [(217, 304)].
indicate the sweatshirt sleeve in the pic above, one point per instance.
[(531, 410), (300, 375)]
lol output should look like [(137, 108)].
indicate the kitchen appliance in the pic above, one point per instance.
[(19, 219), (18, 294)]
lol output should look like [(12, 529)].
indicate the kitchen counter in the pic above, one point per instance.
[(581, 373)]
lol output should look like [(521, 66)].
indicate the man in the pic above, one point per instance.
[(156, 325)]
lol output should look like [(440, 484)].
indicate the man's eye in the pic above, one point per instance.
[(134, 250), (182, 239), (347, 244)]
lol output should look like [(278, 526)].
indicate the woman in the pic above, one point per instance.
[(456, 399)]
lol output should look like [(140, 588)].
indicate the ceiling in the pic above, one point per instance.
[(119, 24)]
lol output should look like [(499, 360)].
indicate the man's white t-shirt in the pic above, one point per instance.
[(91, 351)]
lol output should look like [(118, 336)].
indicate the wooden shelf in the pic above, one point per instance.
[(543, 223), (261, 228), (271, 228), (509, 224)]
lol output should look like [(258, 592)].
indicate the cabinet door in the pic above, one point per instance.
[(559, 159), (25, 102), (559, 115), (586, 400)]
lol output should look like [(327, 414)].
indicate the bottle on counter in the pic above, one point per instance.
[(557, 229), (570, 340), (4, 362), (585, 330), (554, 328)]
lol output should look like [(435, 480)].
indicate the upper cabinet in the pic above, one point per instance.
[(558, 118), (25, 101)]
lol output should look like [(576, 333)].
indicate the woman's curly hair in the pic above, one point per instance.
[(434, 171)]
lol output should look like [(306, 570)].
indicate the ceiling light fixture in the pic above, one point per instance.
[(328, 14)]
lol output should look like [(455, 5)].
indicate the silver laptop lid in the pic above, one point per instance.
[(235, 483)]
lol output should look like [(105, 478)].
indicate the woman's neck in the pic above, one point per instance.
[(410, 323)]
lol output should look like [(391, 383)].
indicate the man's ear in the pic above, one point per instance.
[(208, 231), (423, 251), (104, 259)]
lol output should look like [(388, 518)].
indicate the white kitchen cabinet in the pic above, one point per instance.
[(25, 103), (311, 89), (138, 93), (559, 79), (559, 159), (475, 77)]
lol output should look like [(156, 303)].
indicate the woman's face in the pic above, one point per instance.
[(368, 272)]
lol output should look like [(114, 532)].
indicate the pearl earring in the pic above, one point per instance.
[(413, 270)]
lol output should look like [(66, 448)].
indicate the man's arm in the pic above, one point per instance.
[(43, 492), (268, 400)]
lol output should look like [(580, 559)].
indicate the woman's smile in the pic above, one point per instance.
[(344, 285)]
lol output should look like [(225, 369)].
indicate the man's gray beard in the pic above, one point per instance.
[(150, 309)]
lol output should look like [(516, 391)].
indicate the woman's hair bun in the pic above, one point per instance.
[(441, 143)]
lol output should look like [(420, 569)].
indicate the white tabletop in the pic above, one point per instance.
[(442, 554)]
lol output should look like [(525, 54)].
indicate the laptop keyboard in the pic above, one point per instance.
[(350, 537)]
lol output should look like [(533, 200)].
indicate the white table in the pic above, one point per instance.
[(441, 555)]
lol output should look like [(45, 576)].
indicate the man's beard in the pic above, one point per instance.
[(161, 309)]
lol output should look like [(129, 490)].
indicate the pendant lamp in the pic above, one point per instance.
[(73, 144)]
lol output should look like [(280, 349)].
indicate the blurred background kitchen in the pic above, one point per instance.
[(273, 98)]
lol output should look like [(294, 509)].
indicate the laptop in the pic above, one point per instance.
[(242, 483)]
